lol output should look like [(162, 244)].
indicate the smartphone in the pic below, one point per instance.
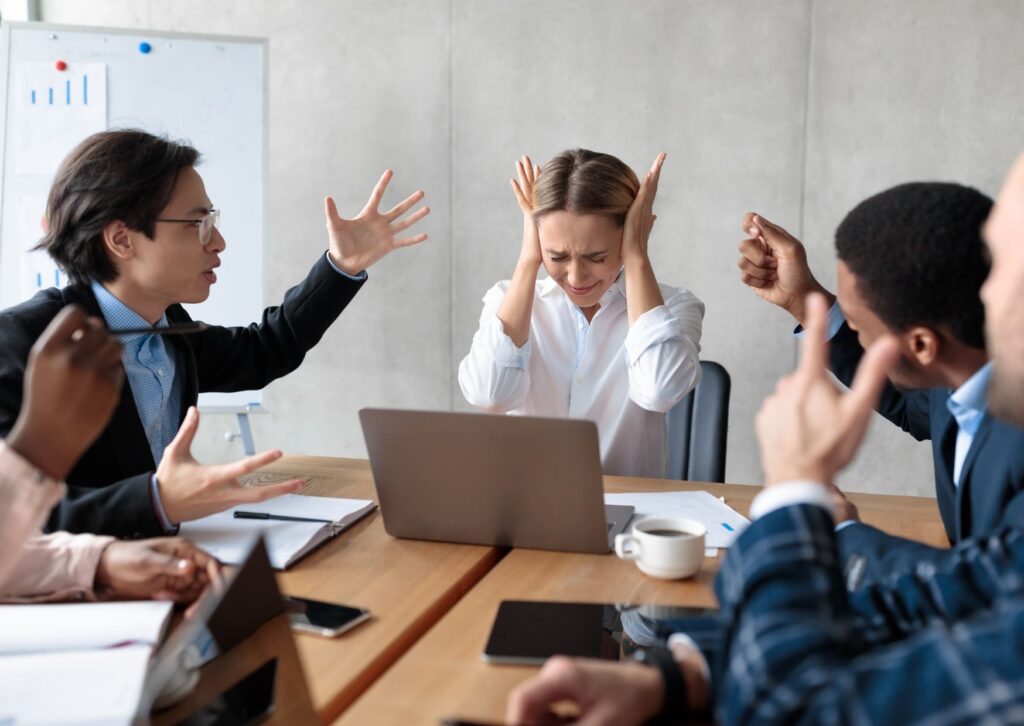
[(323, 618), (529, 632)]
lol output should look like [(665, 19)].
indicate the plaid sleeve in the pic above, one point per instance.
[(793, 653)]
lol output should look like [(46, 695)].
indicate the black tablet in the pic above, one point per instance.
[(528, 632)]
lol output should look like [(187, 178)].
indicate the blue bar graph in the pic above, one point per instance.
[(68, 94), (39, 279)]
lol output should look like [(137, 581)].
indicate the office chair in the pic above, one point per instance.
[(698, 427)]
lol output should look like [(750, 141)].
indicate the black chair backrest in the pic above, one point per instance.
[(698, 428)]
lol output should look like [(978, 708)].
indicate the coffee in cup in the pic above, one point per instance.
[(666, 547)]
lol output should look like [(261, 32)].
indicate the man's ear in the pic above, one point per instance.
[(119, 241), (923, 344)]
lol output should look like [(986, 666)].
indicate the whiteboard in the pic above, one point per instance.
[(207, 90)]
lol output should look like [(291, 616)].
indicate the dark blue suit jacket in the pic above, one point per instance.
[(108, 489), (991, 491), (941, 644)]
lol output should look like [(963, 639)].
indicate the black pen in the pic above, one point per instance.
[(175, 329), (279, 517)]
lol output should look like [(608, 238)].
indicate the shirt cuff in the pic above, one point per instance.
[(835, 322), (505, 351), (357, 278), (788, 494), (168, 526), (658, 325), (685, 641)]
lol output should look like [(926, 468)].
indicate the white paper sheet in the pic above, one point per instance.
[(723, 522), (80, 626), (51, 111), (228, 539), (79, 687)]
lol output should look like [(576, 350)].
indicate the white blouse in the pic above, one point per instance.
[(623, 378)]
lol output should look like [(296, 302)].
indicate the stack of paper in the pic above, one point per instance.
[(723, 523), (229, 539), (76, 663)]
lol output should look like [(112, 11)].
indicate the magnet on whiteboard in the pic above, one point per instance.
[(145, 47), (60, 65)]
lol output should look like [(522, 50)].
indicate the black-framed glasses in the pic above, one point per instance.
[(204, 224)]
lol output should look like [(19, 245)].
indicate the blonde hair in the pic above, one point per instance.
[(580, 181)]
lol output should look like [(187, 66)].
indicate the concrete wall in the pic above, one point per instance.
[(796, 109)]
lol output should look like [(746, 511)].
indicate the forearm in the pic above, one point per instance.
[(122, 509), (517, 307), (56, 566), (642, 293)]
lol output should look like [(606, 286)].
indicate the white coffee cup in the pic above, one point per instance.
[(667, 547)]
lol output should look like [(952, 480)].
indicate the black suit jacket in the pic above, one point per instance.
[(991, 490), (108, 489)]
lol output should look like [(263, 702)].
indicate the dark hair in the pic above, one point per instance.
[(585, 182), (126, 175), (918, 257)]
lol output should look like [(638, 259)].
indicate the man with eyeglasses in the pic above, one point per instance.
[(130, 223)]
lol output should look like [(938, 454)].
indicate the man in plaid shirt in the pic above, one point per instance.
[(941, 644)]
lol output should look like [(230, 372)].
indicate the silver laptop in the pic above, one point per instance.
[(511, 481)]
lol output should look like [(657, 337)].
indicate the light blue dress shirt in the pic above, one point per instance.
[(150, 368), (968, 404)]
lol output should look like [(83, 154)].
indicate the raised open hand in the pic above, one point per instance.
[(640, 217), (527, 174), (357, 243), (809, 429), (190, 490)]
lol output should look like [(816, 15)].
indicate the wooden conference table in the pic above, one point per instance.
[(391, 669)]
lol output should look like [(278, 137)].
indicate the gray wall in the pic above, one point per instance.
[(795, 109)]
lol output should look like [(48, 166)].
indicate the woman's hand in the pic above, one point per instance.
[(640, 218), (523, 188)]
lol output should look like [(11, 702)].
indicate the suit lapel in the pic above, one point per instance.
[(185, 355), (963, 495), (945, 490)]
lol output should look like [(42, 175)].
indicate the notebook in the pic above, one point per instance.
[(229, 539), (80, 626)]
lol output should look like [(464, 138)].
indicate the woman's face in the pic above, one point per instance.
[(582, 253)]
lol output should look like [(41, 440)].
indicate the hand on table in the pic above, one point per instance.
[(606, 693), (527, 174), (808, 429), (189, 490), (773, 263), (357, 243), (159, 569), (72, 385)]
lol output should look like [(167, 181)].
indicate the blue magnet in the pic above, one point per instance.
[(145, 47)]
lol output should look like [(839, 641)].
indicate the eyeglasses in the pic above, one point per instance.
[(204, 224)]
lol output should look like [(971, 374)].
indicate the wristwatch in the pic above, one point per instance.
[(673, 708)]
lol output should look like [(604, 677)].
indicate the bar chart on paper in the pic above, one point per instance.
[(56, 108)]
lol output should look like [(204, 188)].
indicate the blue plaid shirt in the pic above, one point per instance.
[(940, 643)]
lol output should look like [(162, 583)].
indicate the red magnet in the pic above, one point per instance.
[(61, 66)]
